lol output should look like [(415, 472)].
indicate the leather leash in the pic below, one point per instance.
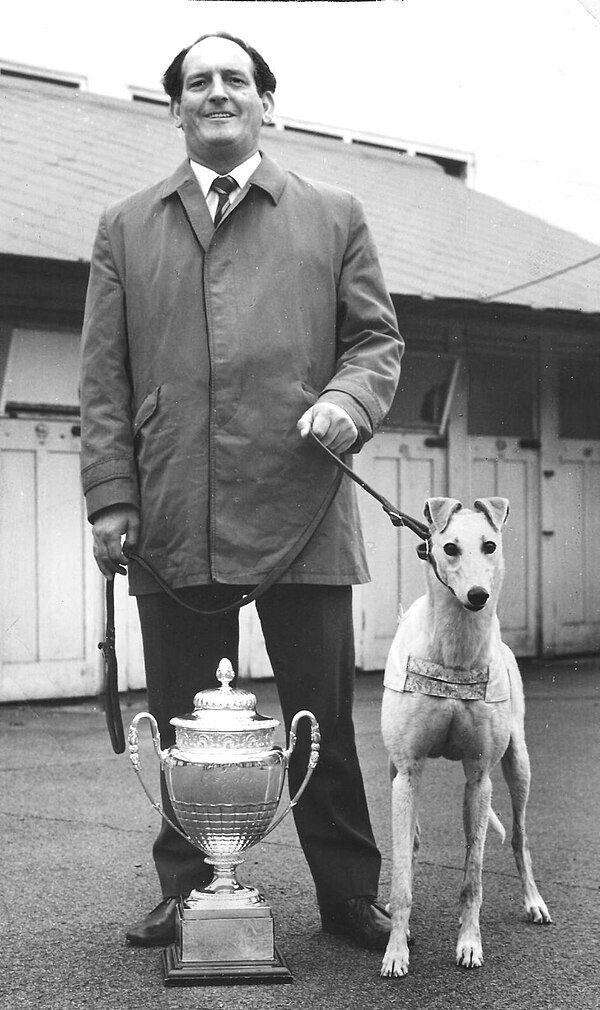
[(396, 517), (110, 691)]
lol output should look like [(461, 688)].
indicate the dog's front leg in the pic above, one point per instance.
[(404, 835), (476, 807)]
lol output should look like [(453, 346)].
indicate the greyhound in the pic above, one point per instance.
[(453, 689)]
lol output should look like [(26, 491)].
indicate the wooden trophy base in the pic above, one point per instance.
[(224, 947)]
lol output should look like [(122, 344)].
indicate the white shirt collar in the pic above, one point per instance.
[(241, 173)]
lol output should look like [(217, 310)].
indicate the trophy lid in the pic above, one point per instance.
[(224, 708)]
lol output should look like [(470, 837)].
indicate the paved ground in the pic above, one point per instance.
[(76, 837)]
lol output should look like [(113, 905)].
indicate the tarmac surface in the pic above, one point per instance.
[(76, 869)]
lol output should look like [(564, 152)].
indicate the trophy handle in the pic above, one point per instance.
[(315, 744), (134, 757)]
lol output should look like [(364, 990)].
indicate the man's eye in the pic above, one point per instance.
[(451, 550), (489, 547)]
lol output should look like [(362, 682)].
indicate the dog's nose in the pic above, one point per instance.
[(478, 597)]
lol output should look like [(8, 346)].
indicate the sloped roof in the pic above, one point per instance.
[(65, 154)]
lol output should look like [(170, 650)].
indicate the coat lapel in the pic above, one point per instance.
[(184, 183)]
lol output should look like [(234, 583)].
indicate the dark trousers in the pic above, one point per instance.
[(309, 638)]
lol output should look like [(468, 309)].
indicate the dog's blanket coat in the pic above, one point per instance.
[(406, 673)]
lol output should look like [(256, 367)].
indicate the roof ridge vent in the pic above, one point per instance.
[(151, 96), (452, 161), (29, 72)]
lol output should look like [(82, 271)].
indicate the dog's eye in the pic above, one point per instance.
[(489, 547), (451, 550)]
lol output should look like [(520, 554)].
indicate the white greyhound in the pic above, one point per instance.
[(453, 689)]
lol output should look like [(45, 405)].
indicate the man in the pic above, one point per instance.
[(224, 322)]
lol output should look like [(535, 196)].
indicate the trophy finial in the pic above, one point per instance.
[(224, 698), (225, 674)]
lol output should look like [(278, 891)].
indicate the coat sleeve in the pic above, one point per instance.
[(108, 469), (369, 346)]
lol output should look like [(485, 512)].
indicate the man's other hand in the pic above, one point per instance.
[(110, 526), (331, 424)]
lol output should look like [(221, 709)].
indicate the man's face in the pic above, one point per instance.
[(220, 110)]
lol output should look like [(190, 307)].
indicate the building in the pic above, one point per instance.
[(499, 392)]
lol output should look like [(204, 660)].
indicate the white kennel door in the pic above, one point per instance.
[(406, 471), (49, 592), (503, 467)]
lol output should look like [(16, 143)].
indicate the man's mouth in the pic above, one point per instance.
[(219, 115)]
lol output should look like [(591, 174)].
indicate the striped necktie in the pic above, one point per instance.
[(224, 186)]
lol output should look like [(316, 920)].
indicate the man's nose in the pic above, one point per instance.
[(218, 91)]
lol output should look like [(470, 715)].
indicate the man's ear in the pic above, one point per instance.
[(268, 104), (174, 106)]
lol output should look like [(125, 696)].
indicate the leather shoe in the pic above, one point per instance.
[(157, 929), (362, 919)]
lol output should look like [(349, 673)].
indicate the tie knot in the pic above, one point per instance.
[(224, 184)]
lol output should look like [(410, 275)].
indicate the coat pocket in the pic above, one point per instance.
[(311, 393), (145, 410)]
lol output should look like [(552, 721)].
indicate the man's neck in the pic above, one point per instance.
[(222, 165)]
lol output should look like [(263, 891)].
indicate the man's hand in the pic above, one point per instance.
[(110, 525), (331, 424)]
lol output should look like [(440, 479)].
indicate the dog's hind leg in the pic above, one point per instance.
[(406, 834), (476, 807), (515, 766)]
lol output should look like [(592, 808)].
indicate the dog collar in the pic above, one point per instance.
[(425, 554)]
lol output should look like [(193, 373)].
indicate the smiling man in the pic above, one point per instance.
[(233, 308)]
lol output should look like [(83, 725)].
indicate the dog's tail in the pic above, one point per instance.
[(497, 825)]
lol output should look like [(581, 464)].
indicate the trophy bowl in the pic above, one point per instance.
[(225, 777)]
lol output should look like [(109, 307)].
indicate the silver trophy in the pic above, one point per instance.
[(225, 777)]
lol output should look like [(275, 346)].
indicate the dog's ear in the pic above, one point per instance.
[(496, 510), (439, 511)]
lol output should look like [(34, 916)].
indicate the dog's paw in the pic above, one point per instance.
[(537, 912), (469, 954), (395, 961)]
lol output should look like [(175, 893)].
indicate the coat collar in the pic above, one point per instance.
[(268, 176)]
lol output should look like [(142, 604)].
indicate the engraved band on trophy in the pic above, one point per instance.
[(224, 777)]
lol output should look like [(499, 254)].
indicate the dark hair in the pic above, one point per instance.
[(264, 78)]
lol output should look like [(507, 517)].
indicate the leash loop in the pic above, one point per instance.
[(110, 682)]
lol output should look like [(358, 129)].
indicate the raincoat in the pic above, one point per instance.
[(202, 347)]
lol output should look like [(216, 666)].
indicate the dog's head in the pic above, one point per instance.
[(465, 548)]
